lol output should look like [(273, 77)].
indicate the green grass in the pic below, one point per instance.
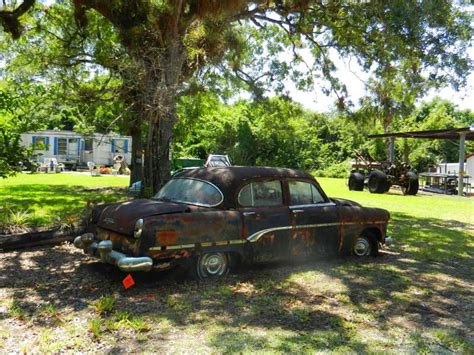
[(42, 200), (442, 207)]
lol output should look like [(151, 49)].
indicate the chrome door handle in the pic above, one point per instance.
[(249, 213), (297, 211)]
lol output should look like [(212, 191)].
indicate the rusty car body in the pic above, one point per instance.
[(213, 218)]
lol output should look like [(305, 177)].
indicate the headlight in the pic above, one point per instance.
[(138, 228)]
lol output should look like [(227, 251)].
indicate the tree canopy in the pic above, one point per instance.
[(167, 47)]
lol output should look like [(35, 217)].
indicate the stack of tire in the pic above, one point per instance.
[(378, 182)]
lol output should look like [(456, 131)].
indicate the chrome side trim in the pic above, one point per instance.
[(182, 246), (204, 245), (256, 236)]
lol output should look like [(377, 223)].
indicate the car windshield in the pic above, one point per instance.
[(192, 191)]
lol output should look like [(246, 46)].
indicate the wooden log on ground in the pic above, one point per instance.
[(33, 239)]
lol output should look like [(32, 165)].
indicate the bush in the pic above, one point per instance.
[(339, 170)]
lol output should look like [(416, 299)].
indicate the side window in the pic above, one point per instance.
[(317, 197), (303, 193), (261, 193)]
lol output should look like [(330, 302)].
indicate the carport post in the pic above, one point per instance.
[(462, 140), (392, 149)]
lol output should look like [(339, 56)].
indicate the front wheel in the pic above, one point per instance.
[(210, 265), (363, 247)]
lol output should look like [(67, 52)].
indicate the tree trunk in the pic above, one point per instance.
[(157, 160), (136, 165)]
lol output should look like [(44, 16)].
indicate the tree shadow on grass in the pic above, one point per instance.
[(423, 282)]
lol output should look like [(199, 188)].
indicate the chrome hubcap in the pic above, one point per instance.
[(362, 247), (213, 264)]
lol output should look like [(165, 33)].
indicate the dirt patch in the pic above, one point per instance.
[(53, 298)]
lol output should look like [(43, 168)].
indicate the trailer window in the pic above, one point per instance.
[(62, 146), (88, 145)]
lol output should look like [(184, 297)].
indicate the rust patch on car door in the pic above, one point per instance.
[(196, 227)]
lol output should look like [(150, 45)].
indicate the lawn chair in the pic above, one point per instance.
[(116, 168), (50, 165), (93, 168)]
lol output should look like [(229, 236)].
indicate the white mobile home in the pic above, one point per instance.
[(72, 148)]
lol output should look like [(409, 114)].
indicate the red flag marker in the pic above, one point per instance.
[(128, 281)]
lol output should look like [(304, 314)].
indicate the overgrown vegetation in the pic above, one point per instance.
[(279, 132)]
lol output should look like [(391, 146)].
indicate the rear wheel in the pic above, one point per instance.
[(210, 265), (378, 182), (356, 182), (411, 184)]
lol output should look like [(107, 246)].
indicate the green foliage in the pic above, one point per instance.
[(274, 132)]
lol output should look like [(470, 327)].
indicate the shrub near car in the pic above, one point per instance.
[(214, 218)]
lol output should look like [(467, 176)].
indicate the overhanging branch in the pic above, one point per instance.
[(10, 19)]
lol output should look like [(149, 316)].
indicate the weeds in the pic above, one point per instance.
[(15, 221), (95, 327), (104, 305), (16, 311)]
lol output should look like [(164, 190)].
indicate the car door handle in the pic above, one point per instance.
[(297, 211), (250, 214)]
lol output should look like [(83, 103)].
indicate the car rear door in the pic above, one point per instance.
[(315, 220), (266, 220)]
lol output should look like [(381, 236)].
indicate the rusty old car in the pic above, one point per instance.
[(210, 219)]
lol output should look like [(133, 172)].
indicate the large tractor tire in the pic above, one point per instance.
[(411, 185), (378, 182), (356, 182)]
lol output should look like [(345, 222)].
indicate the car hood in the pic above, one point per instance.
[(121, 217)]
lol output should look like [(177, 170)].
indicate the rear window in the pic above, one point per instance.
[(192, 191), (261, 193)]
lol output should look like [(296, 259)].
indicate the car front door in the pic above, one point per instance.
[(315, 220), (266, 220)]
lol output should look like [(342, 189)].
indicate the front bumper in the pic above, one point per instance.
[(103, 250)]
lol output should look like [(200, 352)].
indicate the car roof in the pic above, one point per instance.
[(229, 178)]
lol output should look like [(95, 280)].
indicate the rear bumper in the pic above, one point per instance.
[(103, 250)]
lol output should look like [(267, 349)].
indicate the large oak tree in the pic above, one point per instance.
[(168, 42)]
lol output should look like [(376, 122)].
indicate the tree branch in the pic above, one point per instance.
[(10, 20)]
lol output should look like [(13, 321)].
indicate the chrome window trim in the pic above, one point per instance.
[(194, 203), (324, 204)]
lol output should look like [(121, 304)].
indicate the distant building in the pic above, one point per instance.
[(72, 148), (453, 168)]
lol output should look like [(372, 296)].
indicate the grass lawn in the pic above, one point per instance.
[(418, 296), (42, 200)]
